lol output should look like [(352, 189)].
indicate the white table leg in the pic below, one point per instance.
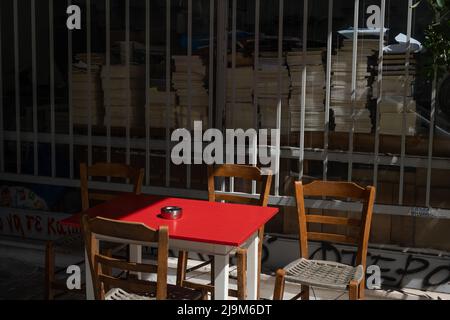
[(221, 270), (136, 256), (89, 286), (252, 268)]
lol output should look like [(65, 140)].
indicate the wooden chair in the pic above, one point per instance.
[(327, 274), (109, 287), (75, 242), (226, 171), (113, 170)]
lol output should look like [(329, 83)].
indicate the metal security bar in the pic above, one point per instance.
[(2, 161), (168, 102), (431, 135), (89, 77), (218, 14), (327, 91), (255, 79), (430, 139), (34, 76), (52, 86), (127, 64), (406, 81), (108, 78), (189, 79), (69, 96), (211, 65), (303, 97), (379, 94), (233, 68), (17, 88), (279, 106), (147, 92), (353, 88)]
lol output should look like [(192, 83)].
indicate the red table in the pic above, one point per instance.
[(212, 228)]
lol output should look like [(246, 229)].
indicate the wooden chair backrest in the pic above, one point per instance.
[(342, 190), (134, 232), (239, 171), (114, 170)]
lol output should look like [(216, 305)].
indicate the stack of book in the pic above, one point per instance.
[(124, 95), (273, 88), (268, 113), (341, 88), (391, 115), (343, 116), (136, 52), (240, 84), (240, 110), (190, 90), (315, 89), (87, 90), (161, 108), (397, 92)]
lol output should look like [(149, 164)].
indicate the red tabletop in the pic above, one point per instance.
[(202, 221)]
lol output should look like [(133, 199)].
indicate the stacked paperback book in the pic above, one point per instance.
[(396, 94), (273, 87), (240, 84), (315, 89), (349, 112), (240, 110), (136, 52), (188, 81), (124, 95), (87, 90), (161, 108)]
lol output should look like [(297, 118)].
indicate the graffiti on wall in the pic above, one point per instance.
[(398, 269), (33, 224)]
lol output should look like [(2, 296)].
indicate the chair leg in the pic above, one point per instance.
[(260, 249), (278, 291), (362, 290), (305, 292), (213, 276), (49, 270), (353, 290), (181, 267), (212, 273), (241, 274), (204, 294)]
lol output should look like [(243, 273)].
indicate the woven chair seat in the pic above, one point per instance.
[(119, 294), (173, 293), (325, 274)]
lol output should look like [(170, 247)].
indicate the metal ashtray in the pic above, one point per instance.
[(171, 212)]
